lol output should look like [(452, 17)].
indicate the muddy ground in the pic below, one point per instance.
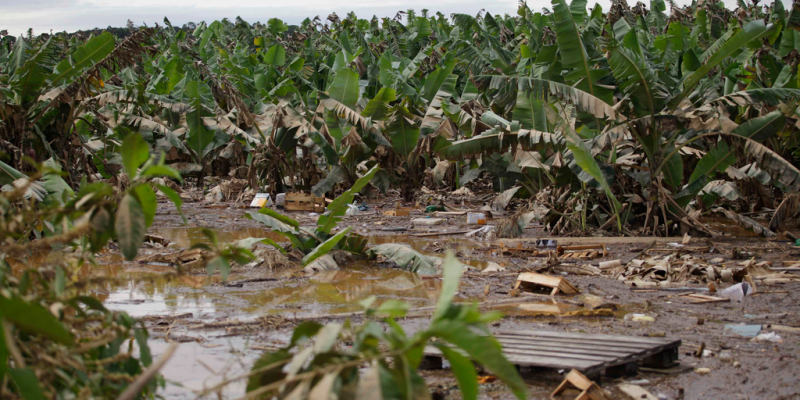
[(181, 307)]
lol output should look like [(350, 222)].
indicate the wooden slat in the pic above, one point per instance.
[(590, 337), (587, 349), (558, 344), (564, 355), (577, 340)]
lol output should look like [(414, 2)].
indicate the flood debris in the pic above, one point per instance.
[(744, 329), (227, 190), (261, 200), (405, 257), (298, 201), (589, 389), (184, 258), (697, 298), (737, 292), (533, 282), (635, 392), (582, 252)]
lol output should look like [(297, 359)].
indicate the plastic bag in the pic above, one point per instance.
[(737, 292), (352, 209)]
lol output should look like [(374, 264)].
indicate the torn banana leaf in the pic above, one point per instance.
[(323, 263), (405, 257)]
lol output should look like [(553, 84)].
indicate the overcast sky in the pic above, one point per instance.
[(71, 15)]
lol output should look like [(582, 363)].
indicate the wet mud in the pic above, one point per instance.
[(224, 326)]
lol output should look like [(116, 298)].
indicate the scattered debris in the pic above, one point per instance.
[(577, 269), (261, 200), (226, 191), (531, 281), (610, 264), (476, 219), (737, 292), (589, 389), (593, 302), (744, 330), (493, 267), (702, 371), (768, 337), (639, 318), (697, 298), (635, 392), (426, 221), (580, 252)]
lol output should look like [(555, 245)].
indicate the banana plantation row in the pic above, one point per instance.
[(664, 113), (640, 120)]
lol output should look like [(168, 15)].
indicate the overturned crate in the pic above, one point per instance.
[(298, 201), (591, 354), (533, 282)]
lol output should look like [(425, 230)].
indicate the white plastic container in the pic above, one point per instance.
[(476, 218), (427, 221), (280, 200)]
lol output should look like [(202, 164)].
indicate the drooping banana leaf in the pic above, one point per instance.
[(485, 143), (335, 175), (405, 257), (586, 161), (434, 116)]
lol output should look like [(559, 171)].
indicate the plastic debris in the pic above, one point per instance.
[(639, 318), (737, 292), (261, 200), (427, 221), (768, 337), (476, 218), (280, 200), (429, 209), (744, 330), (702, 371)]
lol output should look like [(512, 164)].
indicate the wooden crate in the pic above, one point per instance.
[(304, 202), (529, 281)]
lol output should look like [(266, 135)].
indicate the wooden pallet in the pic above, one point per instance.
[(590, 354)]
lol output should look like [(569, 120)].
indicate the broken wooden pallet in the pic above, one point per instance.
[(588, 353), (530, 281)]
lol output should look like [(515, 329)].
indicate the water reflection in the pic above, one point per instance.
[(340, 291)]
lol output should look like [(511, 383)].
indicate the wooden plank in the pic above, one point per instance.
[(621, 350), (590, 337), (636, 392), (439, 233), (566, 356), (577, 341)]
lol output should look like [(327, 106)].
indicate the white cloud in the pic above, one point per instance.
[(71, 15)]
